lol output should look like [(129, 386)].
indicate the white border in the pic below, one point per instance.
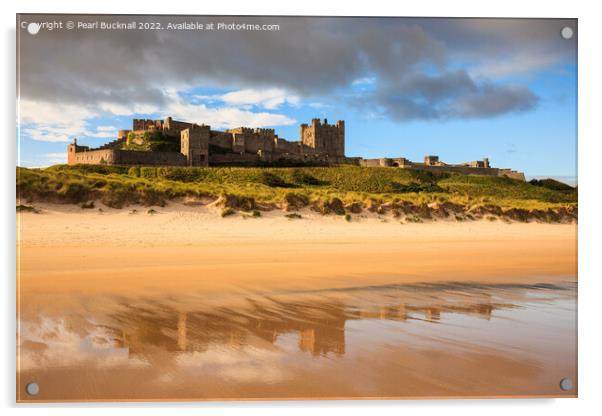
[(590, 186)]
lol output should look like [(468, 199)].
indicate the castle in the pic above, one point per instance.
[(320, 144), (179, 143)]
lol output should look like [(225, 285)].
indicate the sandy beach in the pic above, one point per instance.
[(273, 307), (130, 249)]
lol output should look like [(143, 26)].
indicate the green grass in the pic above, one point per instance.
[(505, 188), (152, 142), (243, 188)]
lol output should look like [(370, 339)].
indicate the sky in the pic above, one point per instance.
[(463, 89)]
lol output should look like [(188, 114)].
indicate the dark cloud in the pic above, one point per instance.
[(311, 57), (437, 87), (448, 95), (491, 100)]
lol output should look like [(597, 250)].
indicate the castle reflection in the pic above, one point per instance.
[(319, 324)]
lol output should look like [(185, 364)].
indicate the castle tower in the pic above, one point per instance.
[(123, 134), (194, 144), (167, 123), (339, 147), (71, 149), (324, 138), (431, 160)]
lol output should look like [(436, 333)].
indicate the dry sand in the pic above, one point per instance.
[(125, 250)]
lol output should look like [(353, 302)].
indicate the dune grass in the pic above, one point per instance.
[(119, 186)]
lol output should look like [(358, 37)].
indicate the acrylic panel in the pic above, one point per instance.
[(281, 207)]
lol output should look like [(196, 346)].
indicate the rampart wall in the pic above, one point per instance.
[(229, 159), (221, 139), (470, 169), (128, 157), (94, 157), (132, 157)]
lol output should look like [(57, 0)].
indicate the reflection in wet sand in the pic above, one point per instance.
[(379, 341)]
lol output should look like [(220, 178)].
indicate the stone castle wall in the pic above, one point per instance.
[(168, 126), (512, 174), (132, 157), (175, 125), (284, 146), (93, 157), (229, 159), (221, 139), (471, 168), (373, 163), (265, 141), (142, 124), (254, 142), (127, 157), (466, 170)]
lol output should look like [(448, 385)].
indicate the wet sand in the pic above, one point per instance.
[(183, 304)]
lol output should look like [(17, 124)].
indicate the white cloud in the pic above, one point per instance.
[(364, 81), (50, 122), (225, 117), (119, 109), (50, 113), (271, 98), (55, 158), (105, 128), (518, 64), (319, 106), (103, 132)]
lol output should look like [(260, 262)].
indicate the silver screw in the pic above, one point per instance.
[(566, 32), (566, 384), (32, 389)]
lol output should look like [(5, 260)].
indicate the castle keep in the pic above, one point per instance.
[(176, 143)]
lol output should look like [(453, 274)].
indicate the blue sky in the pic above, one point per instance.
[(463, 89)]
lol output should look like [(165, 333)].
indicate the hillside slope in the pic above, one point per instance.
[(339, 190)]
